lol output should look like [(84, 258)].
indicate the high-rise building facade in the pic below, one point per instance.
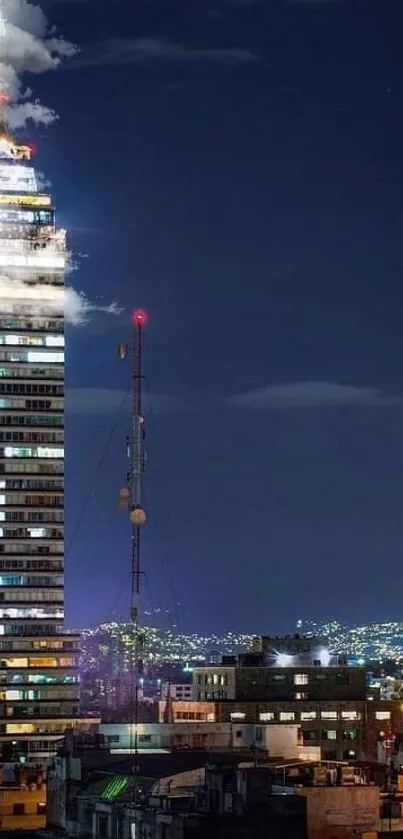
[(38, 675)]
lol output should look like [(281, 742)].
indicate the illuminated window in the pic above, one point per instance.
[(33, 357), (382, 715), (39, 451), (215, 679), (300, 695), (16, 662), (266, 716), (237, 716), (329, 734), (329, 715), (50, 452), (43, 662), (287, 716), (2, 499), (14, 695), (37, 532), (308, 715), (350, 715), (35, 261), (54, 341), (20, 728), (350, 734), (17, 178), (301, 679)]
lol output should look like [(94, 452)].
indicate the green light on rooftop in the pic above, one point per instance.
[(115, 787)]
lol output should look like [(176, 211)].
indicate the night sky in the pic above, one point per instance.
[(236, 168)]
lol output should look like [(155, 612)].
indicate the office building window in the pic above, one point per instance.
[(329, 734), (308, 715), (300, 695), (350, 734), (350, 715), (266, 716), (287, 716), (328, 715), (301, 679), (382, 715), (310, 736), (237, 716)]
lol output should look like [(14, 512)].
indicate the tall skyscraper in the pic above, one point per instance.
[(38, 675)]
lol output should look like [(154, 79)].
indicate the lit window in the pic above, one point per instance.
[(300, 695), (328, 715), (2, 499), (329, 734), (54, 341), (37, 532), (287, 716), (308, 715), (50, 452), (49, 357), (382, 715), (215, 678), (237, 715), (16, 662), (350, 715), (2, 515), (266, 716), (301, 679), (14, 695), (37, 261), (20, 728)]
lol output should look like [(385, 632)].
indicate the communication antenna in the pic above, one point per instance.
[(130, 499)]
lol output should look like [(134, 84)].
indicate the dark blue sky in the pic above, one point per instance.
[(237, 169)]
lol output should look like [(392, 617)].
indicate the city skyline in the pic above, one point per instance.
[(218, 167), (361, 644)]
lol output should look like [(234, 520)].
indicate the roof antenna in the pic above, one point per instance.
[(130, 498)]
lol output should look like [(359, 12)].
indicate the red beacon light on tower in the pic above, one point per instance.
[(139, 317)]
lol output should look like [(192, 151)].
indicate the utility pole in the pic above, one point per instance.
[(130, 498)]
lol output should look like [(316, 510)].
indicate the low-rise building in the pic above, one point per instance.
[(181, 691), (228, 799), (343, 730)]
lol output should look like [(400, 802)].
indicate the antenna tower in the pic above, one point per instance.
[(130, 498)]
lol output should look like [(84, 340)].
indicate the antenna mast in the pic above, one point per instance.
[(130, 498)]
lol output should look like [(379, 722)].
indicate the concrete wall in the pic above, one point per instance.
[(341, 812), (27, 799)]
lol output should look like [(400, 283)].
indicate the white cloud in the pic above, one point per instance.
[(43, 298), (91, 401), (311, 395), (28, 45), (134, 50)]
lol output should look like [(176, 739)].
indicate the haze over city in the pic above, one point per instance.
[(264, 239)]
